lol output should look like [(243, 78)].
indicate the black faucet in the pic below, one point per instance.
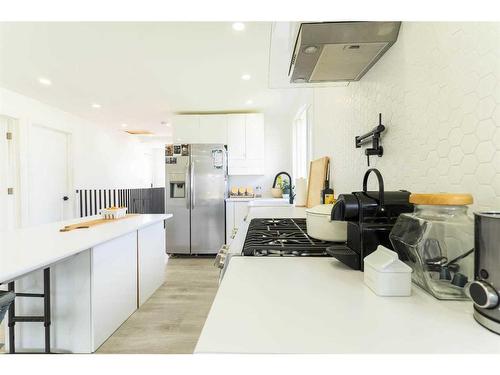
[(291, 186)]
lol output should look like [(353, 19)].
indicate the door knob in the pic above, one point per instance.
[(65, 198)]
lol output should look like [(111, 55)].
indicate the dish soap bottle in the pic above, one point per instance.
[(327, 194)]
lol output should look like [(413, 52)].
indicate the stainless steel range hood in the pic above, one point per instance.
[(339, 51)]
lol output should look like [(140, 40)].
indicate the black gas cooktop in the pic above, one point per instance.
[(282, 237)]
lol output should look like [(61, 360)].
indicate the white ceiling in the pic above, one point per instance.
[(140, 73)]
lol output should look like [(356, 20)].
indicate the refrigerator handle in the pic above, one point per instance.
[(187, 194), (192, 186)]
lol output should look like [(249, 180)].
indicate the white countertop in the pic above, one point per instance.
[(318, 305), (250, 199), (27, 249), (245, 199), (263, 212)]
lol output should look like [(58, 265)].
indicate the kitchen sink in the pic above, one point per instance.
[(269, 202)]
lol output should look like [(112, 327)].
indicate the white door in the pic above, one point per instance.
[(9, 173), (48, 175)]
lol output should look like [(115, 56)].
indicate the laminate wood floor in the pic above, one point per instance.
[(171, 321)]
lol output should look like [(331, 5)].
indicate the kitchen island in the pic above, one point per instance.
[(318, 305), (98, 277)]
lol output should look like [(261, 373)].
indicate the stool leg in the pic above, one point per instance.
[(46, 307), (11, 321)]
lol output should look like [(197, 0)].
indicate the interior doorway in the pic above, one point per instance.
[(49, 198)]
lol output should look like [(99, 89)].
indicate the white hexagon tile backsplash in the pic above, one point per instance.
[(438, 89)]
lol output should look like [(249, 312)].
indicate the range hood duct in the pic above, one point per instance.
[(339, 51)]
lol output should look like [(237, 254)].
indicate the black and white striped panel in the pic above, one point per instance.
[(92, 201)]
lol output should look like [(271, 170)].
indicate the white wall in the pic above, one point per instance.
[(100, 157), (438, 89)]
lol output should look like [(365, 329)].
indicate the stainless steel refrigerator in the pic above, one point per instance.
[(195, 188)]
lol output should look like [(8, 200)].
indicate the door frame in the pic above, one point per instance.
[(12, 126), (25, 179)]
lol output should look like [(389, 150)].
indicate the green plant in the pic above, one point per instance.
[(285, 187)]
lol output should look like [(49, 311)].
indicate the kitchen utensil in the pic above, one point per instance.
[(485, 290), (385, 274), (370, 216), (437, 239), (318, 170), (92, 223), (321, 226)]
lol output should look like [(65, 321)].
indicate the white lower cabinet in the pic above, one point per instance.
[(151, 260), (235, 214), (114, 287)]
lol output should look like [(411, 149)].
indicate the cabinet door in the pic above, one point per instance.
[(255, 136), (151, 258), (240, 212), (114, 285), (236, 139), (186, 129), (229, 221), (213, 129)]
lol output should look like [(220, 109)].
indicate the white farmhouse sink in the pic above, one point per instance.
[(269, 202)]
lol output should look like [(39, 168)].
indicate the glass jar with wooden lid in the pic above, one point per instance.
[(437, 241)]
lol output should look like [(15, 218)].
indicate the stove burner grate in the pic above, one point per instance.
[(282, 237)]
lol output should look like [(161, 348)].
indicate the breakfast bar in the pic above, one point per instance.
[(98, 277)]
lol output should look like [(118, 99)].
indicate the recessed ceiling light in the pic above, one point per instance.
[(95, 105), (238, 26), (124, 125), (246, 77), (249, 102), (45, 81)]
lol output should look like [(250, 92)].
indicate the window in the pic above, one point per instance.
[(301, 147)]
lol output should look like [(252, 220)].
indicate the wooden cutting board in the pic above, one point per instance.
[(92, 223), (318, 171)]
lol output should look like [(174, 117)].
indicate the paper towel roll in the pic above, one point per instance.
[(300, 191)]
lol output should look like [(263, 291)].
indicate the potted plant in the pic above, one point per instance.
[(285, 189)]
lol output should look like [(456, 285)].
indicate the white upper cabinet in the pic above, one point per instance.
[(243, 134), (200, 129), (236, 137), (246, 144), (213, 129), (186, 129), (255, 136)]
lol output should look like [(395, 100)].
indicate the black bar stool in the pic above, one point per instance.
[(45, 318)]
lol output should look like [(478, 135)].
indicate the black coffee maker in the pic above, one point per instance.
[(370, 216)]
